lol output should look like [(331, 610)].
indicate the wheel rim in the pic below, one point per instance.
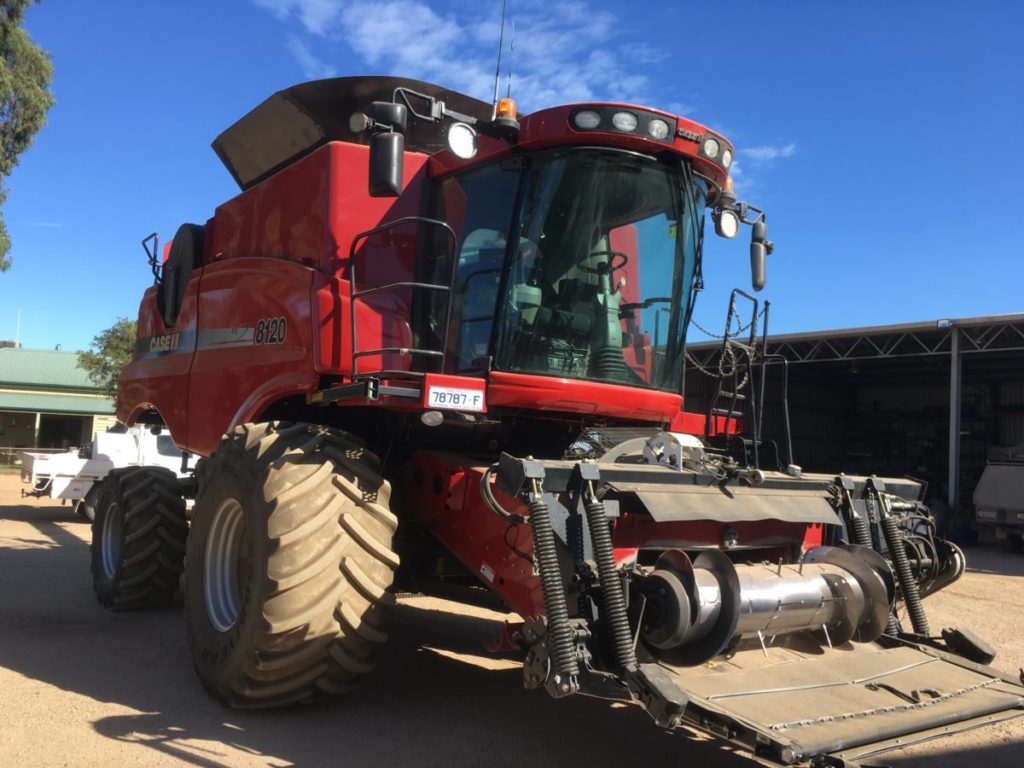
[(223, 565), (110, 541)]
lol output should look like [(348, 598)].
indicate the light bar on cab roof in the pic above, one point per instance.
[(714, 147), (626, 120)]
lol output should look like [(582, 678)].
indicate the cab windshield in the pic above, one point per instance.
[(594, 279)]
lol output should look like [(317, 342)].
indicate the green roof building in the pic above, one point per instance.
[(47, 401)]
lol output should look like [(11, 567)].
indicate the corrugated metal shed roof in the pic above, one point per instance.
[(919, 327), (44, 403), (49, 369)]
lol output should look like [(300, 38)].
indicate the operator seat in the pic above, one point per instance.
[(186, 254)]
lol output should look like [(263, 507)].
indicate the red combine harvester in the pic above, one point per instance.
[(435, 340)]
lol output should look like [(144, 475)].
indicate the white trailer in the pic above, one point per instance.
[(76, 474)]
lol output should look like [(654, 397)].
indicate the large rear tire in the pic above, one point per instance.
[(138, 538), (288, 565)]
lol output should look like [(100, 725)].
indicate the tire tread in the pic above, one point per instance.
[(323, 596), (153, 546)]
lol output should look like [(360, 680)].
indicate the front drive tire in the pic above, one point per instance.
[(288, 564), (138, 538)]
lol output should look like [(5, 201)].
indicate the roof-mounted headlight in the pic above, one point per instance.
[(658, 129), (586, 119), (462, 140), (612, 119), (714, 147), (625, 121)]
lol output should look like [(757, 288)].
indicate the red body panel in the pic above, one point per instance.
[(519, 390), (448, 504), (382, 320), (694, 423), (157, 379), (236, 374), (310, 211), (266, 252)]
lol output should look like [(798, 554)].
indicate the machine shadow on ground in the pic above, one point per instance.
[(430, 701)]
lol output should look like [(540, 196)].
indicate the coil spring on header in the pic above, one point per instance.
[(904, 574), (561, 641), (861, 530), (613, 599)]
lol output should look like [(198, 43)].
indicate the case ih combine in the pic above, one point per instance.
[(431, 337)]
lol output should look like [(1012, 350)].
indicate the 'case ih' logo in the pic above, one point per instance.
[(163, 343)]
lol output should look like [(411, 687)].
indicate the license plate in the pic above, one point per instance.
[(455, 399), (986, 514)]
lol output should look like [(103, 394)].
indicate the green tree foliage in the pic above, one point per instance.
[(25, 98), (111, 351)]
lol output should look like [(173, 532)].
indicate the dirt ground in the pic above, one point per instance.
[(83, 687)]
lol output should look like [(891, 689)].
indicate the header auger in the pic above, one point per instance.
[(427, 331)]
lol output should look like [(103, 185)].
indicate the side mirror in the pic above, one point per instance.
[(760, 247), (387, 151), (395, 116), (387, 146), (758, 266)]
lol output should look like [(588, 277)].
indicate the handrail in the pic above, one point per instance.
[(355, 295), (749, 352)]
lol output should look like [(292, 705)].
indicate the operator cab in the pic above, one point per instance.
[(573, 262)]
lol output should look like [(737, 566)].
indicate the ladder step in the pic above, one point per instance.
[(733, 395)]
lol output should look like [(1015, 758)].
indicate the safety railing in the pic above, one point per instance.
[(356, 295)]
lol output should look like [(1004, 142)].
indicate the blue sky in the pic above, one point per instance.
[(881, 137)]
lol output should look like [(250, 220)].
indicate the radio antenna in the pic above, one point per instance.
[(511, 51), (497, 69)]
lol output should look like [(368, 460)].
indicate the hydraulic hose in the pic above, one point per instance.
[(904, 574), (561, 641), (613, 599)]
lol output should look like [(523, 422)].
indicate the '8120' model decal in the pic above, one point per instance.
[(271, 330)]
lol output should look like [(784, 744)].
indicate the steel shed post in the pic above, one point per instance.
[(955, 376)]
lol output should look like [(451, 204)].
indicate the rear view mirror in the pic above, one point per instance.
[(758, 266), (387, 146), (760, 247), (386, 154)]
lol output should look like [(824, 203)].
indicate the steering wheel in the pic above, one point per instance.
[(611, 265)]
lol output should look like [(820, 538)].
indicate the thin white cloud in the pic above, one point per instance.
[(565, 50), (312, 67), (680, 108), (743, 183), (316, 15), (767, 153)]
